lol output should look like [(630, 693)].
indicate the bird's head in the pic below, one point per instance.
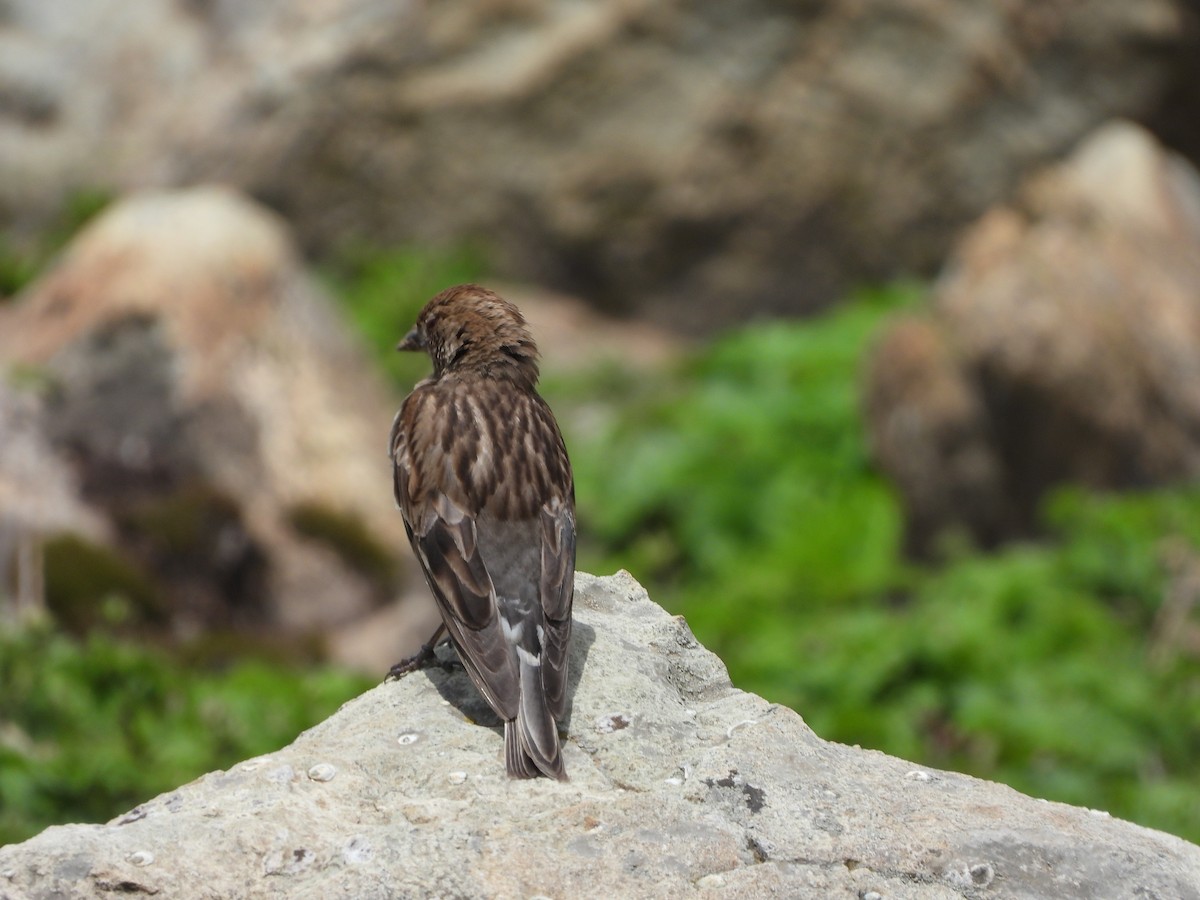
[(468, 328)]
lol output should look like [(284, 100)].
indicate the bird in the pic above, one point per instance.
[(484, 485)]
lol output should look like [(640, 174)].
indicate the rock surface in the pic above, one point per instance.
[(701, 162), (681, 785), (1063, 345)]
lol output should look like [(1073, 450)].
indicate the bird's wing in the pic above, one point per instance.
[(557, 589), (445, 543), (444, 539)]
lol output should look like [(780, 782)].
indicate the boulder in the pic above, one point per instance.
[(680, 784), (1063, 345), (214, 409), (685, 160)]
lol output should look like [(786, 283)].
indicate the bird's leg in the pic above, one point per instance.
[(418, 660)]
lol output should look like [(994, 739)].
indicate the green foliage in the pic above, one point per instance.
[(383, 290), (17, 268), (80, 207), (88, 585), (741, 493), (1014, 667), (747, 476), (89, 730), (22, 261)]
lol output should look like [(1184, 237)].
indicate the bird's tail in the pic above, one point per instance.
[(531, 740)]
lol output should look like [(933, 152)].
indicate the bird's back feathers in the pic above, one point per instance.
[(482, 479)]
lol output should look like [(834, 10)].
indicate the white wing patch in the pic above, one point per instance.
[(530, 659), (512, 632)]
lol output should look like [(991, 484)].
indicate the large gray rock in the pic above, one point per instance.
[(1063, 345), (680, 785), (705, 161)]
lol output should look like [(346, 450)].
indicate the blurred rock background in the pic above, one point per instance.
[(874, 327), (684, 161), (1062, 346)]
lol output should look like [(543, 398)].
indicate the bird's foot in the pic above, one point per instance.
[(419, 660)]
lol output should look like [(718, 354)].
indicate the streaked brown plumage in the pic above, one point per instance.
[(485, 487)]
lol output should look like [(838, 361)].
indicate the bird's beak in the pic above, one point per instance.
[(412, 341)]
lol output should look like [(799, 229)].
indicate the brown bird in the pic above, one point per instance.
[(482, 479)]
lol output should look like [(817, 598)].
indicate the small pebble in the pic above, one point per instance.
[(141, 857), (919, 775), (322, 772), (714, 880), (872, 895), (407, 738), (456, 777), (982, 875)]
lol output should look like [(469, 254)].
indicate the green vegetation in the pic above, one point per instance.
[(21, 262), (742, 495), (89, 586), (17, 269), (384, 290), (89, 730), (745, 479)]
